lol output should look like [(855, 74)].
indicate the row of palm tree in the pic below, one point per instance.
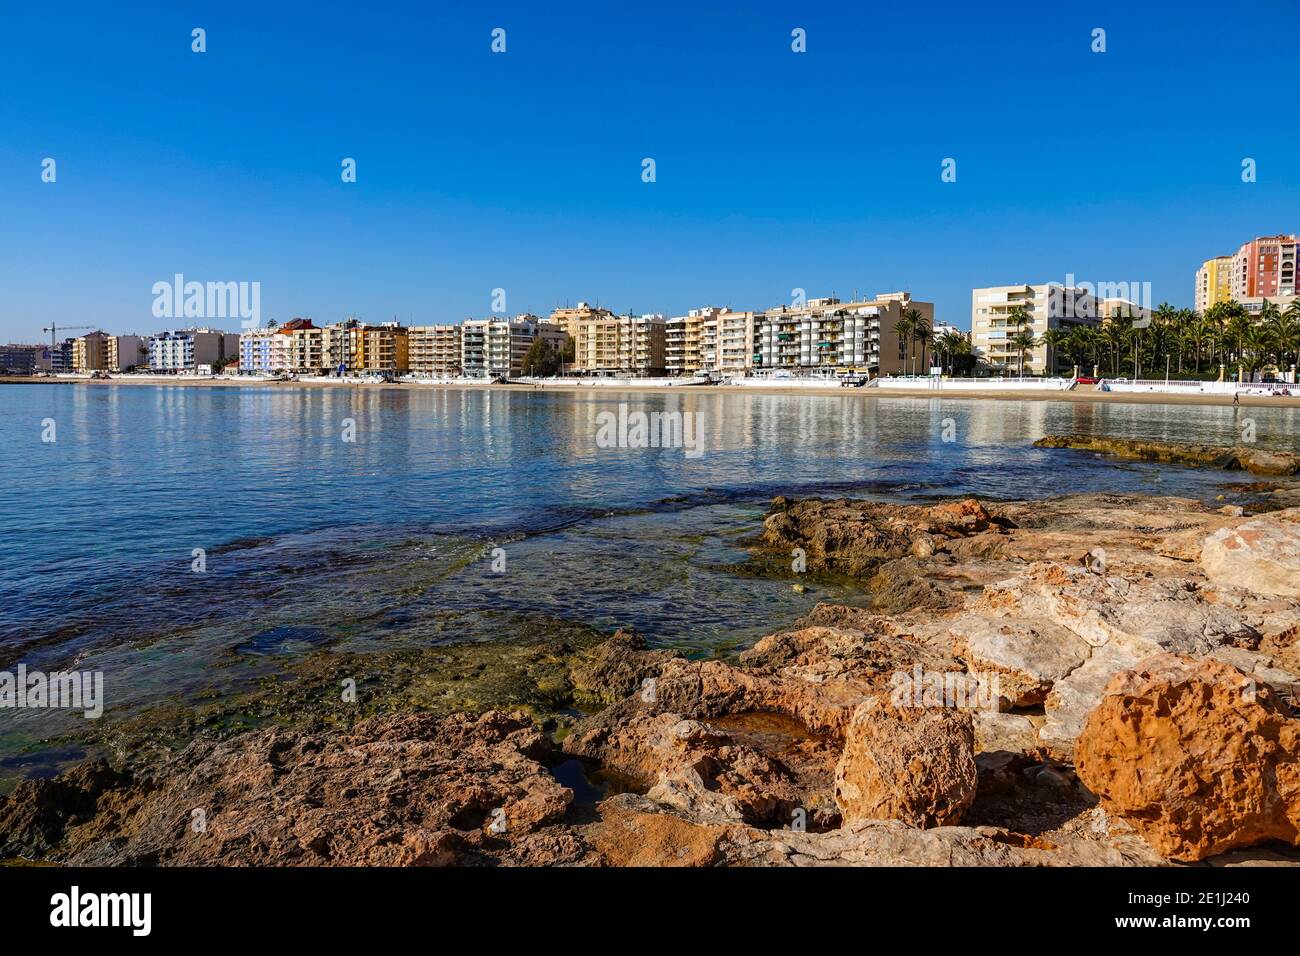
[(1181, 341)]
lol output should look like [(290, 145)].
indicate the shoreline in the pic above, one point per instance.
[(1086, 395)]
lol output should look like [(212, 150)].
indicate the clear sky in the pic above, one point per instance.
[(522, 170)]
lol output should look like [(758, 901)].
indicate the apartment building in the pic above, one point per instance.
[(184, 350), (621, 345), (435, 350), (495, 348), (733, 342), (1265, 268), (90, 352), (832, 335), (125, 352), (24, 359), (1047, 306), (383, 348), (568, 318), (1108, 309), (1213, 282), (682, 338)]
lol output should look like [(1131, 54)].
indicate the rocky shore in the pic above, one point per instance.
[(1086, 680)]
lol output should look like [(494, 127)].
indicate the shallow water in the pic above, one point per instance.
[(388, 541)]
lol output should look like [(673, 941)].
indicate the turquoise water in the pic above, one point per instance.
[(395, 529)]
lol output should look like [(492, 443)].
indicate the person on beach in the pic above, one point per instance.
[(1236, 399)]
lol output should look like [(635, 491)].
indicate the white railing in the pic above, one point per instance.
[(1176, 387), (1011, 384)]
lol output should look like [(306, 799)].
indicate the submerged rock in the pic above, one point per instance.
[(850, 537), (1258, 461)]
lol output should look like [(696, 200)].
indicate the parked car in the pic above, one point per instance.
[(1086, 380)]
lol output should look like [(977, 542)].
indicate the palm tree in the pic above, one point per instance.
[(905, 329), (1054, 339), (923, 334), (946, 346), (1023, 341)]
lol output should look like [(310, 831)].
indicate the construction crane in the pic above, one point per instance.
[(54, 332)]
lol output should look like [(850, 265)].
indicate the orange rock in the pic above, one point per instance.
[(915, 764), (1195, 755)]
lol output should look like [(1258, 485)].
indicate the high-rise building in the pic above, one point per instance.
[(184, 350), (435, 350), (832, 335), (1213, 282), (1047, 306), (1265, 267), (90, 352), (495, 348), (570, 317), (126, 352), (621, 345)]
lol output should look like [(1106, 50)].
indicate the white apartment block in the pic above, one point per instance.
[(1046, 306), (833, 335), (495, 348), (184, 350)]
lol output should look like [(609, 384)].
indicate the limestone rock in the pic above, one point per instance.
[(1028, 656), (1198, 758), (1262, 555), (911, 764)]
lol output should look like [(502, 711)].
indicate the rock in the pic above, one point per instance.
[(911, 764), (1028, 656), (851, 537), (1000, 732), (1262, 555), (633, 831), (1073, 697), (616, 668), (393, 791), (1198, 758), (892, 843), (1258, 461), (35, 816), (690, 767), (1147, 615)]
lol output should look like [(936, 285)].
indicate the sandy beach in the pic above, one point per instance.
[(1085, 393)]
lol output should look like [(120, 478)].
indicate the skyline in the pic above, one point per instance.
[(775, 170)]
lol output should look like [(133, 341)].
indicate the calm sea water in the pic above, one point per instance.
[(311, 541)]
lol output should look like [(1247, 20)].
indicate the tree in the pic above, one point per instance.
[(542, 359), (1054, 339), (1023, 341), (905, 329), (922, 334)]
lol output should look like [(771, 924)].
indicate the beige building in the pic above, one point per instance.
[(434, 350), (90, 352), (837, 336), (127, 351), (569, 318), (1047, 306), (621, 345)]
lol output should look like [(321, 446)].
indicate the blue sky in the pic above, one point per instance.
[(775, 170)]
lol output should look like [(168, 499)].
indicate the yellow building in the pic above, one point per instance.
[(90, 352), (622, 344), (582, 312), (378, 348), (1213, 282)]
